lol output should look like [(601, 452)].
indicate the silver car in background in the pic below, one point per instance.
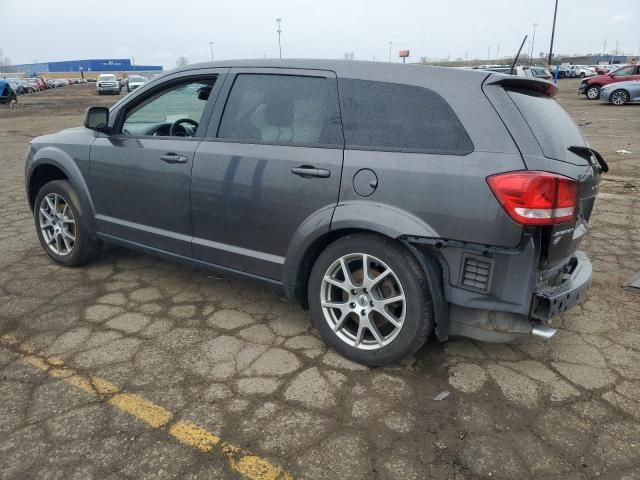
[(621, 93)]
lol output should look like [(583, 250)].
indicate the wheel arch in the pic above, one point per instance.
[(52, 164)]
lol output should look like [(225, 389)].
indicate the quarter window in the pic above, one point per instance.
[(380, 115), (282, 109)]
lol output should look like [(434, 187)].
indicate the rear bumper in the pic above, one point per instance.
[(552, 301)]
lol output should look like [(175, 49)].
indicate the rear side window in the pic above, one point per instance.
[(552, 126), (380, 115), (282, 109)]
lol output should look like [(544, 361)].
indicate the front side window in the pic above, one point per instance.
[(380, 115), (624, 72), (282, 109), (174, 111)]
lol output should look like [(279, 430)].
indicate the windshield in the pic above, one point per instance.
[(137, 79)]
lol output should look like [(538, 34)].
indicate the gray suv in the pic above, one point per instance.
[(389, 200)]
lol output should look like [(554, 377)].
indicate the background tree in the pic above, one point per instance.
[(182, 61), (4, 61)]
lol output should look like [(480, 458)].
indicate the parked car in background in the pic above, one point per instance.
[(350, 194), (7, 94), (621, 93), (540, 72), (563, 71), (16, 85), (29, 85), (108, 83), (135, 81), (591, 86), (580, 71)]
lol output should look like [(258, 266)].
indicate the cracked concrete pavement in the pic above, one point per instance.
[(241, 362)]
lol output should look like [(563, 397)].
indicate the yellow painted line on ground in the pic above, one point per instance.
[(247, 464)]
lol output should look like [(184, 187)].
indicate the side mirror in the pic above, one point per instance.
[(97, 118)]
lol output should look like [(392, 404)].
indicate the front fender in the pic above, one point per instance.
[(56, 157)]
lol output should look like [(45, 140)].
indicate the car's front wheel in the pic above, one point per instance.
[(61, 226), (369, 299), (593, 92), (619, 97)]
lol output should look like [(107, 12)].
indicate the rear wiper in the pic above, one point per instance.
[(586, 152)]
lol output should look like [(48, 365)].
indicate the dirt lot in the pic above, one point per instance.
[(133, 367)]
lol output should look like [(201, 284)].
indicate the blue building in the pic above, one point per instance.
[(87, 66)]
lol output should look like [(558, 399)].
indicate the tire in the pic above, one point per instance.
[(582, 75), (340, 327), (619, 97), (83, 249), (593, 92)]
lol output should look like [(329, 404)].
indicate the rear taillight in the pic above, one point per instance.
[(535, 198)]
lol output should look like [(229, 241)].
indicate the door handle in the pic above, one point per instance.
[(308, 171), (173, 158)]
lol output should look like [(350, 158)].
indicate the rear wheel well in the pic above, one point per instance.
[(42, 175), (316, 248)]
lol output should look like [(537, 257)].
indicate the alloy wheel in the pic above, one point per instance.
[(593, 93), (363, 301), (619, 97), (57, 224)]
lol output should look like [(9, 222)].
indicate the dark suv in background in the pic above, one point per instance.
[(388, 199)]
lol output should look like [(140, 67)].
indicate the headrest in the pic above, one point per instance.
[(279, 110)]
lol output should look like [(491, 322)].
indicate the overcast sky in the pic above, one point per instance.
[(160, 31)]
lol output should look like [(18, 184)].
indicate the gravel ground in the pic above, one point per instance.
[(239, 361)]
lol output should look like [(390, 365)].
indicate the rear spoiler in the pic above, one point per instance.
[(523, 83)]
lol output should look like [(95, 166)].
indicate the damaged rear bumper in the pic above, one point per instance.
[(547, 302)]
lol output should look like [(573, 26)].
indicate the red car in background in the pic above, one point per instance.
[(591, 86)]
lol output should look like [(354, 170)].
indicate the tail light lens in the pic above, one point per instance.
[(536, 198)]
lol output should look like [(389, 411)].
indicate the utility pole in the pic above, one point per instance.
[(533, 41), (278, 20), (604, 48), (616, 54), (211, 48), (553, 32), (390, 47), (498, 53), (489, 53)]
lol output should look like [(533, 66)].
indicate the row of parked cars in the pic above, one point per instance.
[(618, 87), (108, 83), (22, 86)]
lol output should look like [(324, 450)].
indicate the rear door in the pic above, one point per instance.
[(270, 161)]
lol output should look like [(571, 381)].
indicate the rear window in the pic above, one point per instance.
[(380, 115), (552, 126)]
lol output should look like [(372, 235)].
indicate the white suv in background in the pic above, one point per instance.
[(107, 83), (581, 71)]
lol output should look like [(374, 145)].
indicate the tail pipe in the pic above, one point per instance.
[(543, 332)]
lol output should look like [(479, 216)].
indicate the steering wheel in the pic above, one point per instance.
[(174, 132)]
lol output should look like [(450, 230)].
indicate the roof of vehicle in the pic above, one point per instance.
[(381, 71)]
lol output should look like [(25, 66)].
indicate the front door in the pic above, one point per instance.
[(269, 162), (141, 174)]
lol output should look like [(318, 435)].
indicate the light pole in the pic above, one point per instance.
[(211, 48), (533, 41), (278, 20), (553, 32), (390, 46)]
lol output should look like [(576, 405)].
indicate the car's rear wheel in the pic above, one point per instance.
[(582, 75), (619, 97), (369, 299), (593, 92), (61, 226)]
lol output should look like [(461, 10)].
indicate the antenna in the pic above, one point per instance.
[(515, 60)]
